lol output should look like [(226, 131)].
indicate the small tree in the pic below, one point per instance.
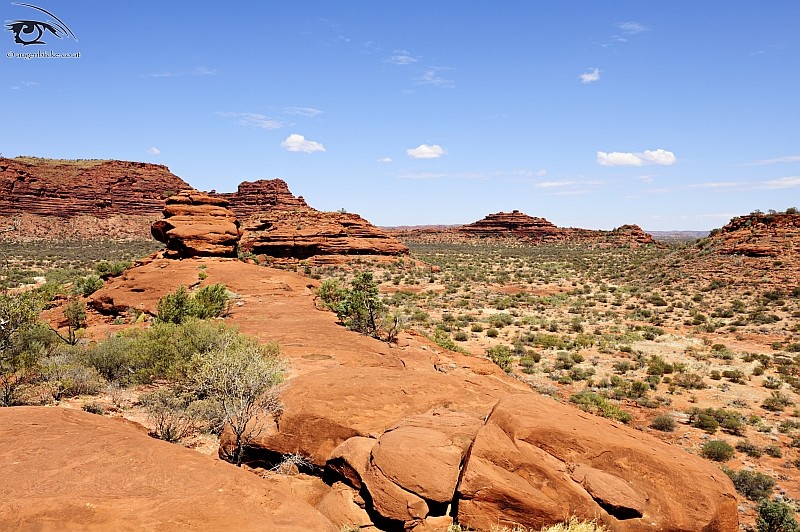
[(18, 356), (362, 309), (169, 411), (75, 313), (242, 377)]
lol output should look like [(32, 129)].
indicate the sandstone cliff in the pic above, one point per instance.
[(62, 188), (759, 235)]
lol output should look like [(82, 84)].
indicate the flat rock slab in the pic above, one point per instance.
[(71, 470)]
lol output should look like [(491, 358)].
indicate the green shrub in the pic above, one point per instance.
[(752, 484), (748, 448), (717, 450), (175, 306), (774, 451), (776, 402), (169, 412), (501, 355), (106, 269), (66, 375), (88, 285), (116, 358), (93, 408), (210, 301), (460, 336), (331, 293), (492, 333), (664, 423), (599, 405), (775, 516)]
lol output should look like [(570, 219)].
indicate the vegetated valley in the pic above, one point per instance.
[(694, 343)]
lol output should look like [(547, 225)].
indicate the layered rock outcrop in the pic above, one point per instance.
[(514, 223), (759, 235), (81, 199), (64, 188), (530, 229), (307, 233), (198, 225), (256, 197)]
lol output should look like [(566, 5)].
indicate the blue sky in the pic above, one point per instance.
[(670, 115)]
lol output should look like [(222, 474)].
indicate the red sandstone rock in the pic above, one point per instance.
[(513, 223), (759, 235), (347, 393), (196, 224), (306, 233), (71, 470), (51, 187), (256, 197), (534, 464)]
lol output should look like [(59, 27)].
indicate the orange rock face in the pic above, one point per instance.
[(256, 197), (56, 199), (48, 187), (408, 435), (198, 225), (305, 233), (71, 470), (759, 235), (514, 223), (532, 230), (531, 463)]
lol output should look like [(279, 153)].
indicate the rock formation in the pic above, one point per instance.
[(72, 470), (759, 235), (257, 197), (407, 436), (514, 223), (196, 224), (519, 226), (306, 233), (51, 187), (50, 198)]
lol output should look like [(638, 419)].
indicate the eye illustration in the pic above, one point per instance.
[(31, 31)]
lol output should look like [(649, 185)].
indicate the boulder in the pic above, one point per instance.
[(537, 462), (198, 225)]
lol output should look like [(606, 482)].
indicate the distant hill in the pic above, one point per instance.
[(678, 236)]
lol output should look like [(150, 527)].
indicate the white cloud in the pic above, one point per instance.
[(302, 111), (631, 27), (197, 71), (426, 151), (402, 57), (432, 77), (385, 160), (298, 143), (615, 158), (554, 184), (787, 159), (423, 175), (591, 76), (783, 182), (153, 150), (254, 120)]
